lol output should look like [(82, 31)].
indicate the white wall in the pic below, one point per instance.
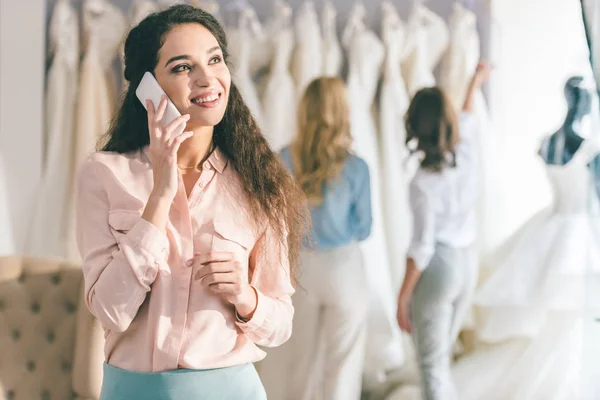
[(539, 45), (22, 65)]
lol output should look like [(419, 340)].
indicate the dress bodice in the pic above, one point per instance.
[(572, 182), (365, 57), (332, 51), (64, 33), (462, 55), (104, 26)]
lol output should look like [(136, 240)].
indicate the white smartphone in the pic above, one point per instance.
[(150, 89)]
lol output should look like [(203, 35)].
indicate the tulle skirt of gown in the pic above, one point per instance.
[(531, 313)]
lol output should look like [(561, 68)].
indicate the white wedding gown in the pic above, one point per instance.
[(279, 100), (365, 57), (48, 229), (104, 26), (532, 307), (307, 61), (394, 174), (427, 41), (333, 57), (241, 40)]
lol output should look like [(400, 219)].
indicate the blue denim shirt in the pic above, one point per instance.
[(344, 216)]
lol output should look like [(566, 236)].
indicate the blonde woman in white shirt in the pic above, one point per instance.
[(441, 269)]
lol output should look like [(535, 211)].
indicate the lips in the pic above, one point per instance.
[(207, 100)]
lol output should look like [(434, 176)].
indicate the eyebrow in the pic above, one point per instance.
[(186, 57)]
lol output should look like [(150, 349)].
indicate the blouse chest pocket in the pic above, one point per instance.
[(232, 238), (121, 222)]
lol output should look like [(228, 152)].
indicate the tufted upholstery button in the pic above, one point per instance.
[(21, 278), (45, 395), (35, 308), (16, 335), (65, 366), (30, 366), (55, 279), (70, 307), (50, 337), (10, 395)]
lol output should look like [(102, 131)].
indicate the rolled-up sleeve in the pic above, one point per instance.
[(271, 323), (422, 246), (117, 274)]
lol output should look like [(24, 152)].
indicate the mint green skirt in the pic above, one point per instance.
[(234, 383)]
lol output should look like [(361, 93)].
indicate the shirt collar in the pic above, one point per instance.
[(217, 159)]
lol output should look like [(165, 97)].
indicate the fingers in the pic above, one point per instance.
[(214, 256), (177, 140), (150, 108), (227, 278), (172, 126), (213, 268), (162, 106)]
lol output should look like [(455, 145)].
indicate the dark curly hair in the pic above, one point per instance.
[(432, 122), (271, 189)]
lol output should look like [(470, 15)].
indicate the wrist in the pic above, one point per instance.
[(246, 303), (159, 198)]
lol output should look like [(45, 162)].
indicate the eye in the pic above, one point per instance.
[(181, 68), (215, 60)]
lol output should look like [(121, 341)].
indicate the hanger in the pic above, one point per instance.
[(282, 15), (355, 22)]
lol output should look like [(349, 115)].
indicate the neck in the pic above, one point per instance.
[(197, 148)]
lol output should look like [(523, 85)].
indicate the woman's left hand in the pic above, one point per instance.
[(403, 314), (225, 275)]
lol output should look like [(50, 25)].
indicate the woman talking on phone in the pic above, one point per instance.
[(189, 231)]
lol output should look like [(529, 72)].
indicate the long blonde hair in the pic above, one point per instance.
[(323, 141)]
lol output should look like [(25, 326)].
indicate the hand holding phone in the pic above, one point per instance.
[(149, 89), (166, 129)]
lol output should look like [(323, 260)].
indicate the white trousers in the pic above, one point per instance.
[(324, 358), (440, 302)]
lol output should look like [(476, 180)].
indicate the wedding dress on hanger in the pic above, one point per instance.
[(140, 10), (365, 58), (333, 58), (240, 41), (48, 227), (307, 61), (427, 40), (393, 105), (458, 67), (104, 26), (279, 100), (532, 306)]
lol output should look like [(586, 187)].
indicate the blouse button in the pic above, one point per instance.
[(207, 166), (201, 184)]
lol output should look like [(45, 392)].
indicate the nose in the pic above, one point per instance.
[(202, 76)]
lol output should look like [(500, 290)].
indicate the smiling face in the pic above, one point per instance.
[(192, 72)]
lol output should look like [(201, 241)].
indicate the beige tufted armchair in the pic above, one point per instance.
[(51, 348)]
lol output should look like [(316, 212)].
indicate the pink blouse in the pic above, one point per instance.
[(156, 317)]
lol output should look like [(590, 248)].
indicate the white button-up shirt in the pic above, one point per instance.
[(444, 203)]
